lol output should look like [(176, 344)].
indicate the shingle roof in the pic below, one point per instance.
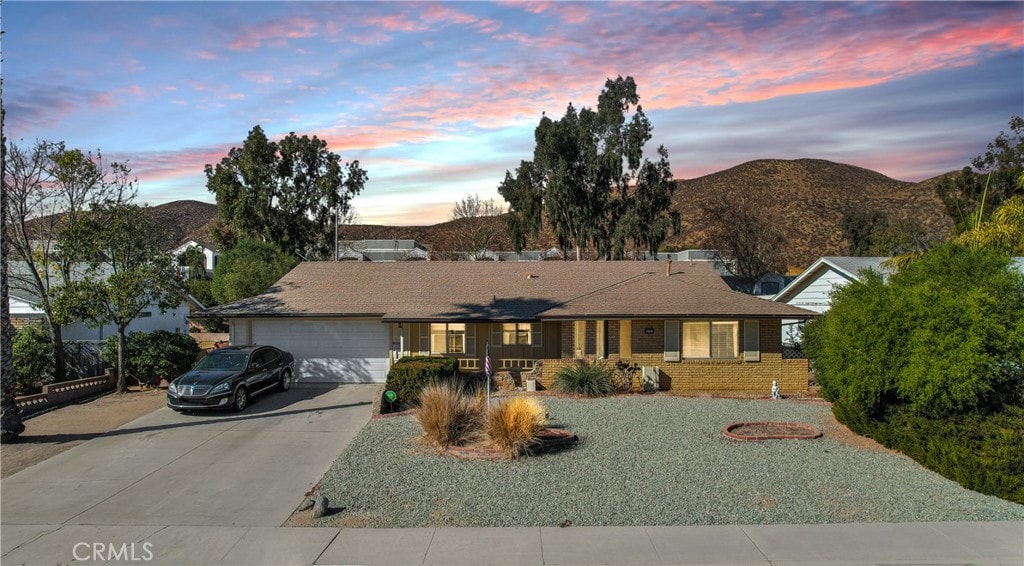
[(438, 291), (854, 265)]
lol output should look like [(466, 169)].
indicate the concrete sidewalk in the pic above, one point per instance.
[(837, 544)]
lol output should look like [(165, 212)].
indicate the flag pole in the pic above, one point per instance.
[(487, 371)]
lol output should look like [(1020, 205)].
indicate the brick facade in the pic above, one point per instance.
[(648, 345)]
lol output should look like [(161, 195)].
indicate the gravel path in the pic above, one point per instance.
[(645, 461)]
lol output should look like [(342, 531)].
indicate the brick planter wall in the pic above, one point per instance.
[(56, 394)]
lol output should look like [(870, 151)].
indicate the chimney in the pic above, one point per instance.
[(668, 267)]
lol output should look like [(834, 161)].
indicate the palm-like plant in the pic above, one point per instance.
[(1005, 230)]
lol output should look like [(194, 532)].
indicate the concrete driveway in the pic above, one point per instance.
[(246, 469)]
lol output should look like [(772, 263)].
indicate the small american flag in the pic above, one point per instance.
[(487, 360)]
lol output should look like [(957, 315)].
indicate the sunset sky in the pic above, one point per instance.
[(437, 100)]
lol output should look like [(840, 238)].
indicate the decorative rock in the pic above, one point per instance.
[(320, 507), (307, 503), (504, 381)]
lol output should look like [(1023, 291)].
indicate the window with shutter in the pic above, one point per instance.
[(724, 339), (696, 340)]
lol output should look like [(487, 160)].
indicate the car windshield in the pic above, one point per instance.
[(221, 362)]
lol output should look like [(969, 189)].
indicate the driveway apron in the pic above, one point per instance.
[(247, 469)]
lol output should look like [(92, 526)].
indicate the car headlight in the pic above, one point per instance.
[(221, 387), (172, 389)]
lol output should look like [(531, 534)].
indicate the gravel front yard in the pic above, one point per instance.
[(646, 461)]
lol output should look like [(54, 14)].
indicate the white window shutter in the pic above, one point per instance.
[(671, 340), (751, 341), (600, 349)]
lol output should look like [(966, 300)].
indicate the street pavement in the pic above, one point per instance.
[(215, 488)]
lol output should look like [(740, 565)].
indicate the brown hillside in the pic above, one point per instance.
[(186, 220), (808, 198)]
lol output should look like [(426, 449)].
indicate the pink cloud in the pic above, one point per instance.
[(206, 55), (261, 77), (395, 22), (154, 166), (432, 16), (275, 33)]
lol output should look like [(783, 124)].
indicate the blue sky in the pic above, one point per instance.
[(437, 100)]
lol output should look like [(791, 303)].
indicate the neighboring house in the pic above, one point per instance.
[(768, 285), (525, 255), (208, 249), (382, 250), (812, 289), (346, 322), (25, 310)]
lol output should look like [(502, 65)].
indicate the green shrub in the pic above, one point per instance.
[(585, 378), (513, 424), (448, 415), (409, 375), (943, 337), (979, 451), (32, 357), (158, 354)]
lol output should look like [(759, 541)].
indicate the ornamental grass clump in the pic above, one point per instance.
[(514, 424), (448, 416), (585, 378)]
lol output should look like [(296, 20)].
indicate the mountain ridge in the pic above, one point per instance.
[(807, 198)]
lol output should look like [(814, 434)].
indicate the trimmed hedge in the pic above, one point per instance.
[(409, 375), (981, 452)]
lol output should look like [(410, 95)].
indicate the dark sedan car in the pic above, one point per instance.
[(227, 378)]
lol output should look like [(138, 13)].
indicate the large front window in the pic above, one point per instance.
[(516, 334), (450, 338), (711, 339)]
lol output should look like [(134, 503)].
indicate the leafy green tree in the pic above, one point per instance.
[(49, 187), (248, 269), (858, 227), (991, 179), (194, 259), (283, 193), (942, 337), (33, 359), (10, 415), (127, 272), (590, 181)]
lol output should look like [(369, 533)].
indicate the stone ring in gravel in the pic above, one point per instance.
[(767, 430)]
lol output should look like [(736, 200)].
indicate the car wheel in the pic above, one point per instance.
[(241, 399), (286, 380)]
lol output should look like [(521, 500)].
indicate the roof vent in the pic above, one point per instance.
[(532, 276)]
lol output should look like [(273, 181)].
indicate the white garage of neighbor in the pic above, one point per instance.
[(325, 350)]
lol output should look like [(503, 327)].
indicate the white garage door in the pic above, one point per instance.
[(330, 351)]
